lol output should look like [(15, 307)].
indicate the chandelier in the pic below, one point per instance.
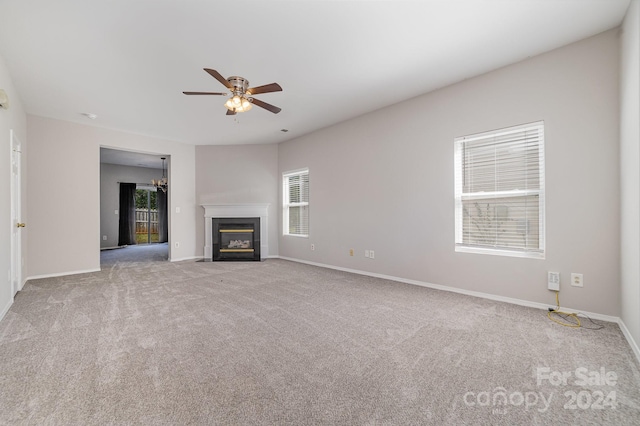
[(161, 184)]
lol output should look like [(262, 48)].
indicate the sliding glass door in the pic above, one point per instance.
[(146, 215)]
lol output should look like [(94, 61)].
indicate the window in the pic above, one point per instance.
[(499, 192), (295, 196)]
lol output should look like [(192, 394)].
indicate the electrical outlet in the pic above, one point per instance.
[(350, 252), (313, 247), (176, 244), (553, 281), (371, 254), (104, 238), (366, 253), (577, 280)]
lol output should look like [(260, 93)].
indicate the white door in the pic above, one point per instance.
[(16, 223)]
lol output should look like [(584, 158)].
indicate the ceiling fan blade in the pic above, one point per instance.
[(215, 74), (229, 112), (267, 88), (205, 93), (268, 107)]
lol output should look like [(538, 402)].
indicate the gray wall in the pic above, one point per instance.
[(630, 170), (14, 119), (385, 181), (65, 212), (236, 175), (110, 175)]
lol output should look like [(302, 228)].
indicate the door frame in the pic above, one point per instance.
[(168, 168), (16, 213)]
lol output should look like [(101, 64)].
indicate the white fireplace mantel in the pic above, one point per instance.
[(235, 210)]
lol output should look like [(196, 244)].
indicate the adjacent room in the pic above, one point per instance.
[(320, 212)]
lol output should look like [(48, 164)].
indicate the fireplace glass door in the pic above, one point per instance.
[(236, 240)]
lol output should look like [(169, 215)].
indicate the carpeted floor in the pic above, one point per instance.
[(148, 341)]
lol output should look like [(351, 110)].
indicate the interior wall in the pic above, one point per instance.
[(110, 176), (385, 181), (14, 119), (238, 174), (65, 212), (630, 170)]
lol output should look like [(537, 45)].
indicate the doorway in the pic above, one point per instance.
[(148, 209)]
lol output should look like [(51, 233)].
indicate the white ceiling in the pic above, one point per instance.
[(135, 159), (128, 61)]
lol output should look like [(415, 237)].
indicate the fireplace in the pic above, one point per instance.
[(236, 238), (235, 211)]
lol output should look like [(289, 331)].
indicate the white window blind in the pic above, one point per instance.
[(499, 191), (296, 203)]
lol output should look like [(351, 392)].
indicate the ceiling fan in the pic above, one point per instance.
[(242, 95)]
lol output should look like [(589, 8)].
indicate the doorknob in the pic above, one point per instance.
[(21, 225)]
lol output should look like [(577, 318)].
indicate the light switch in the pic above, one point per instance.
[(177, 209)]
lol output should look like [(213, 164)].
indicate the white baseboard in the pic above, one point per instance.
[(514, 301), (6, 309), (61, 274), (629, 337), (527, 303), (180, 259), (110, 248)]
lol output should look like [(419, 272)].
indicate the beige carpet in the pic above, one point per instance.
[(147, 341)]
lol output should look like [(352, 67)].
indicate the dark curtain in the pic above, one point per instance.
[(163, 223), (127, 224)]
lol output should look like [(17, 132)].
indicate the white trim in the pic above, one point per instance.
[(502, 132), (526, 303), (499, 252), (186, 258), (629, 337), (111, 248), (6, 309), (61, 274), (296, 172)]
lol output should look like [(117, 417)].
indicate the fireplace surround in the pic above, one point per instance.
[(235, 211)]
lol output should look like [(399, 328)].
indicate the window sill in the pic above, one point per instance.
[(499, 252), (295, 235)]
